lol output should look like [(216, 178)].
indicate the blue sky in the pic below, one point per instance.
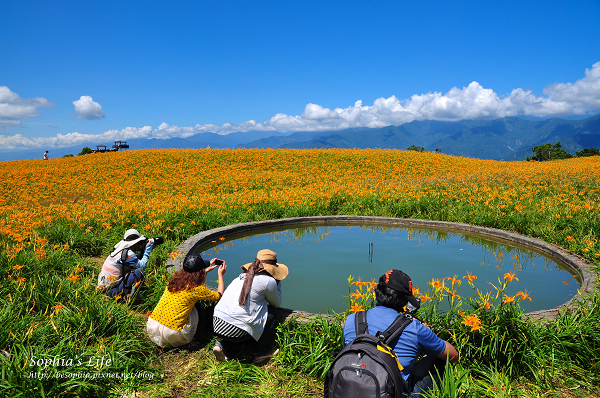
[(75, 71)]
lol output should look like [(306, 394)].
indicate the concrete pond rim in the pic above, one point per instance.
[(582, 270)]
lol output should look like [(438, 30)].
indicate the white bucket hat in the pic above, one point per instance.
[(131, 237)]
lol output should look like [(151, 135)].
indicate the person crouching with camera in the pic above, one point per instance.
[(175, 319), (394, 295), (123, 270)]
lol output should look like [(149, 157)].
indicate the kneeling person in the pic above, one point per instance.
[(247, 310), (393, 293), (174, 321), (123, 270)]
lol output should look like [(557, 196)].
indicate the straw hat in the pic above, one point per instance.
[(131, 237), (269, 260)]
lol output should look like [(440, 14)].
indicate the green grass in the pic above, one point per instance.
[(511, 357)]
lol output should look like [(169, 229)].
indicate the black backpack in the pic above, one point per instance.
[(367, 367)]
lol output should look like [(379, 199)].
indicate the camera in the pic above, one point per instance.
[(411, 309), (159, 240), (218, 261)]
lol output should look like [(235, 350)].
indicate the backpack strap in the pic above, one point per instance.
[(126, 267), (124, 255), (360, 323), (395, 329)]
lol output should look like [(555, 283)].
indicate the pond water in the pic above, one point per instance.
[(320, 260)]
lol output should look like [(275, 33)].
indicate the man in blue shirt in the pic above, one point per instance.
[(393, 293)]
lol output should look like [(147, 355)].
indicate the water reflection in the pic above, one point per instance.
[(322, 257)]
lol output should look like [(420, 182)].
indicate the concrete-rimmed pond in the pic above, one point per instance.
[(322, 252)]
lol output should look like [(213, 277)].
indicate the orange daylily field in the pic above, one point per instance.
[(142, 187), (57, 214)]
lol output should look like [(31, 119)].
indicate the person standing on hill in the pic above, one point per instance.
[(46, 155)]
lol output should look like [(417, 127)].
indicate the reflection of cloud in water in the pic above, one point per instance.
[(426, 252), (493, 253), (297, 235)]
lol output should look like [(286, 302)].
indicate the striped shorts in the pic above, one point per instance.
[(225, 329)]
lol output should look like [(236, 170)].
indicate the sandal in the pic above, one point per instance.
[(263, 359), (219, 353)]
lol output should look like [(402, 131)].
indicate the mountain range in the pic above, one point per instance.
[(501, 139), (509, 138)]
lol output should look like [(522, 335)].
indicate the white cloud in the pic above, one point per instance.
[(580, 96), (317, 112), (87, 108), (13, 107), (470, 102)]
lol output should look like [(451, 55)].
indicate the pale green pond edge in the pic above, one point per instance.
[(581, 269)]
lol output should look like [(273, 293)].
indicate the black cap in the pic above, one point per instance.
[(194, 263), (400, 282)]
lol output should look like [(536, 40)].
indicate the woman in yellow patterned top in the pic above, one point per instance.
[(175, 319)]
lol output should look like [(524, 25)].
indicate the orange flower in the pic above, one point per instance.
[(148, 313), (356, 308), (510, 276), (73, 278), (470, 277), (360, 283), (523, 295), (453, 295), (435, 283), (473, 322), (373, 284), (424, 298), (454, 280), (507, 299), (18, 267), (20, 281), (356, 296), (58, 307)]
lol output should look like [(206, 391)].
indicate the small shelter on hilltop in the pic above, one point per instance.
[(120, 145), (117, 145)]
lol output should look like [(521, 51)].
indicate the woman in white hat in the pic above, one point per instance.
[(174, 321), (122, 271), (243, 313)]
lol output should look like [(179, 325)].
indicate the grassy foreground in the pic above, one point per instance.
[(60, 218)]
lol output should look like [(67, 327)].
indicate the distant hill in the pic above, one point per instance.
[(283, 141), (197, 141), (510, 138)]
